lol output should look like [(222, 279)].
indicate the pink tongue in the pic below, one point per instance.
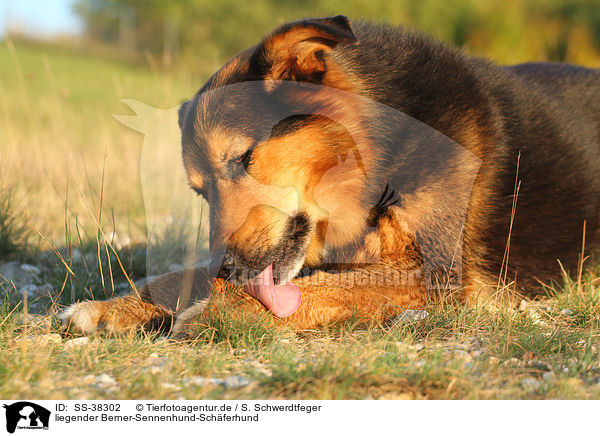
[(282, 300)]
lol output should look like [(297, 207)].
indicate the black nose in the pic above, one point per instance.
[(221, 264), (298, 227)]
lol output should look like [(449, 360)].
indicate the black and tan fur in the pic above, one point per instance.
[(535, 129)]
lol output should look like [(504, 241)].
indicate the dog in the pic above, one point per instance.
[(360, 168)]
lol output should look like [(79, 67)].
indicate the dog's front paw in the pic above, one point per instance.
[(119, 315), (83, 317)]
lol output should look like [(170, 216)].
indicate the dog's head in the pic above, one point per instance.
[(273, 150)]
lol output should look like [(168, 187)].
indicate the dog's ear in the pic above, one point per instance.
[(182, 113), (298, 50)]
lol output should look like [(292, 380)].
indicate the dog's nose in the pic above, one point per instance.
[(221, 264)]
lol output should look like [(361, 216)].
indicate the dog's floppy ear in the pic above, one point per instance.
[(298, 50)]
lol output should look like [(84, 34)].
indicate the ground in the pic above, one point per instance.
[(73, 226)]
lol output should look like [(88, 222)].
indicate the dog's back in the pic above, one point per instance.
[(536, 127), (576, 87)]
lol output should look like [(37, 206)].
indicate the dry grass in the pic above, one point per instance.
[(61, 148), (543, 351)]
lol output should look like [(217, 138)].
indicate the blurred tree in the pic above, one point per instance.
[(205, 32)]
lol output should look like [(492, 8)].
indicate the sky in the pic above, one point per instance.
[(39, 17)]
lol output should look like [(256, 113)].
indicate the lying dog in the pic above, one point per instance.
[(359, 168)]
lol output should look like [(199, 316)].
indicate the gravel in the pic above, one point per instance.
[(231, 382), (531, 384), (76, 343), (25, 280), (102, 381), (20, 274)]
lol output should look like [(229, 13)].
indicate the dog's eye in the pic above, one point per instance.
[(200, 192), (245, 159)]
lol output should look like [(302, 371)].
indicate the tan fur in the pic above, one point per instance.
[(119, 315)]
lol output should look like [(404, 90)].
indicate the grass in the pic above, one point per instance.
[(61, 148), (479, 355), (74, 172), (14, 228)]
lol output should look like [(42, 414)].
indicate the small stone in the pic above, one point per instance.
[(175, 267), (101, 381), (201, 381), (30, 290), (536, 318), (77, 342), (567, 312), (156, 364), (410, 315), (236, 381), (538, 364), (548, 376), (31, 269), (20, 275), (105, 378), (531, 384)]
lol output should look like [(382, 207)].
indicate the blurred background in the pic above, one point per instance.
[(70, 172), (201, 32)]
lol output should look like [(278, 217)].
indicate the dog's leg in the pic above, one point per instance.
[(325, 300), (152, 308)]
